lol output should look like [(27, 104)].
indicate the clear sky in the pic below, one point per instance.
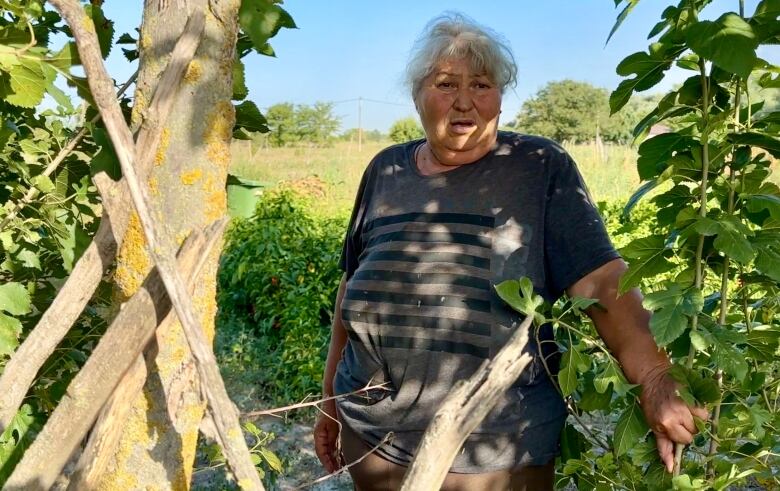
[(345, 49)]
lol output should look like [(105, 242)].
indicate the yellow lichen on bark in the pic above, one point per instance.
[(165, 139), (133, 261), (154, 186), (190, 177), (137, 429), (194, 72), (218, 133)]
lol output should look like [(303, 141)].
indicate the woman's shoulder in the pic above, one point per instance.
[(536, 151), (530, 143)]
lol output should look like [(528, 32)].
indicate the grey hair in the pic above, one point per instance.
[(455, 36)]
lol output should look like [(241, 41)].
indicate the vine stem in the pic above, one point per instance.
[(705, 163)]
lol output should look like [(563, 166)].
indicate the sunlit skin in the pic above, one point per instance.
[(459, 112)]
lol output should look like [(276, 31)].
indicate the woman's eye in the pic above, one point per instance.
[(445, 85)]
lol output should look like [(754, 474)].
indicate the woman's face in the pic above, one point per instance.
[(459, 112)]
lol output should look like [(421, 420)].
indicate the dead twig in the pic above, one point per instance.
[(387, 439), (267, 412)]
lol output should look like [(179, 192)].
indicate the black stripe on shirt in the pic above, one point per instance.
[(462, 218), (422, 344), (428, 257), (427, 237), (426, 322), (423, 278), (418, 300)]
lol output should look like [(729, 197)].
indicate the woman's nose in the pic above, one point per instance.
[(463, 100)]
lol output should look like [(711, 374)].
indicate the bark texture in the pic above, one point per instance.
[(187, 185)]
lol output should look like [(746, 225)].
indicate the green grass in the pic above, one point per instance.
[(333, 174)]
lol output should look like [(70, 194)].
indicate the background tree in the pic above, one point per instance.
[(292, 125), (574, 111), (406, 129)]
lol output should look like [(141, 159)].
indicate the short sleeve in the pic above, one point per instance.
[(575, 241), (353, 240)]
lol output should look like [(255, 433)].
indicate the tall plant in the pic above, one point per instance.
[(710, 267)]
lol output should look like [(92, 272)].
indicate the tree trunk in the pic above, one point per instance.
[(187, 184)]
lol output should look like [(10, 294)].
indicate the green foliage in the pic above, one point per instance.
[(707, 258), (301, 125), (277, 285), (574, 111), (406, 129)]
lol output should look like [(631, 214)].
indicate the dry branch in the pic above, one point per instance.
[(21, 369), (222, 409), (117, 350), (107, 430), (461, 412)]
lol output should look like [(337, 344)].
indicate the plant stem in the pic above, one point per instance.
[(705, 163)]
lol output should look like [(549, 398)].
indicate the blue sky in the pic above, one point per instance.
[(345, 49)]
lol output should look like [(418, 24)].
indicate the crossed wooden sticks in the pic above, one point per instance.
[(120, 348)]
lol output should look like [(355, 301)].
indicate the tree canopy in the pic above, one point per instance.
[(570, 110)]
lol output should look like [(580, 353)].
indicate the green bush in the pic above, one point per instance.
[(276, 288)]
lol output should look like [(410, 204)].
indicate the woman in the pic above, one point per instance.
[(436, 224)]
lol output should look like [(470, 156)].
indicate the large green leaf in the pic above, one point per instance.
[(27, 83), (630, 4), (648, 69), (767, 197), (728, 41), (261, 20), (591, 399), (10, 330), (672, 309), (770, 143), (655, 152), (573, 362), (239, 83), (727, 352), (630, 427), (732, 239), (520, 295), (612, 375), (104, 28), (248, 117), (646, 258), (14, 298)]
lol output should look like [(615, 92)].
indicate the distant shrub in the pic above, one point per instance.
[(406, 129), (276, 288)]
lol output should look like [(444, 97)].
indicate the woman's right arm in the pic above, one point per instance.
[(326, 431)]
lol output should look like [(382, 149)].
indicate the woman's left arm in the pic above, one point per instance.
[(623, 324)]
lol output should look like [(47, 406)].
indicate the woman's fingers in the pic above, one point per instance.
[(700, 413), (665, 451), (325, 437)]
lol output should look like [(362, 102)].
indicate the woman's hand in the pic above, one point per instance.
[(670, 418), (326, 437)]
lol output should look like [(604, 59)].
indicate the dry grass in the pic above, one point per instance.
[(610, 171)]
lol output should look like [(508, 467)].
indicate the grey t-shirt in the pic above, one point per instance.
[(422, 255)]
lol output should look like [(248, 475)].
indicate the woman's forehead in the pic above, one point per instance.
[(459, 66)]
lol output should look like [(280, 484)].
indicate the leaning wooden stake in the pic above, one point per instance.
[(55, 323), (117, 350), (222, 409), (461, 412)]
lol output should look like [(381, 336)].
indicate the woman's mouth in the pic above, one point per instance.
[(462, 126)]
